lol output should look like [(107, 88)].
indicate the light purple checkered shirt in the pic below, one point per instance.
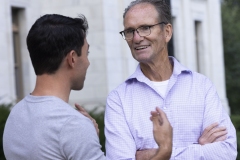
[(191, 104)]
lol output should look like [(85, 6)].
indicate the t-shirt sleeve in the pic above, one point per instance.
[(78, 140)]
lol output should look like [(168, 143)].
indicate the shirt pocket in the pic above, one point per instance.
[(188, 124)]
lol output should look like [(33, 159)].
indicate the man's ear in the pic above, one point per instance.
[(168, 32), (71, 58)]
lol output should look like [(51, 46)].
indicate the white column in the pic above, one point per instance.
[(7, 82), (113, 49), (189, 58), (217, 73)]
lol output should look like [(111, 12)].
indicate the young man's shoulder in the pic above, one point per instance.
[(49, 121)]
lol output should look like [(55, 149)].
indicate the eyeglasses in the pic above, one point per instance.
[(142, 31)]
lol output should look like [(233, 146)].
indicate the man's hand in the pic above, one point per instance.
[(162, 132), (213, 133), (85, 113), (146, 154), (162, 129)]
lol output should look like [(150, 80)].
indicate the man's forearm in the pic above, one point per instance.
[(146, 154), (154, 154), (162, 154)]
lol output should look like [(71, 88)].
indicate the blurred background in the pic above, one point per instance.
[(206, 39)]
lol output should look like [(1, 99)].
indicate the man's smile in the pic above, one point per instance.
[(141, 47)]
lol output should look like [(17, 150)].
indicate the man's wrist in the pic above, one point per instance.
[(152, 153), (164, 153)]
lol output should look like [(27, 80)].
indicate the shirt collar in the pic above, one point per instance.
[(177, 70)]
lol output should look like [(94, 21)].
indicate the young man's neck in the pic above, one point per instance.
[(51, 85)]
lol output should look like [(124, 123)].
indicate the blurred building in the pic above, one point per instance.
[(197, 43)]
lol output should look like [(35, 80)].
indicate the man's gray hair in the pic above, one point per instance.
[(163, 9)]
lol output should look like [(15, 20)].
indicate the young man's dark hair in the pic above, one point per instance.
[(50, 39)]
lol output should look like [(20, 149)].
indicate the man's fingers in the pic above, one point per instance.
[(162, 130), (158, 117), (223, 138), (96, 126), (209, 128), (85, 113), (82, 111), (215, 131), (155, 118), (213, 135), (162, 116), (79, 107)]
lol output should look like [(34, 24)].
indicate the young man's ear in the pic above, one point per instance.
[(71, 58), (168, 32)]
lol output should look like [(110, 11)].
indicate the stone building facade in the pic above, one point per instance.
[(197, 43)]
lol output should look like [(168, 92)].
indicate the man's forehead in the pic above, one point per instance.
[(141, 9), (140, 14)]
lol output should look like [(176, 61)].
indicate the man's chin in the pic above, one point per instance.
[(142, 58), (78, 88)]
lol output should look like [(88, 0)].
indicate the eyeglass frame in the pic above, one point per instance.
[(133, 30)]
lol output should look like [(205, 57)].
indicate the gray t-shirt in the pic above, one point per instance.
[(46, 127)]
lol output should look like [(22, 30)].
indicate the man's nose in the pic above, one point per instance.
[(136, 37)]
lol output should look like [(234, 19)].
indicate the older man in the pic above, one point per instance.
[(201, 127)]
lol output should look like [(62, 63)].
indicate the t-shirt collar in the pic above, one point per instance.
[(177, 70)]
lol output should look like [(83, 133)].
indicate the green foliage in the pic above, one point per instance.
[(4, 112), (231, 40), (236, 122), (99, 117)]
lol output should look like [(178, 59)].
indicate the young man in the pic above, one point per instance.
[(201, 127), (43, 125)]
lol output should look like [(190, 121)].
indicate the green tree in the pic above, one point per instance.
[(99, 117), (231, 40), (4, 112)]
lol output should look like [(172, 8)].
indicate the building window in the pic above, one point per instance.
[(171, 47), (17, 53), (198, 44), (171, 42)]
